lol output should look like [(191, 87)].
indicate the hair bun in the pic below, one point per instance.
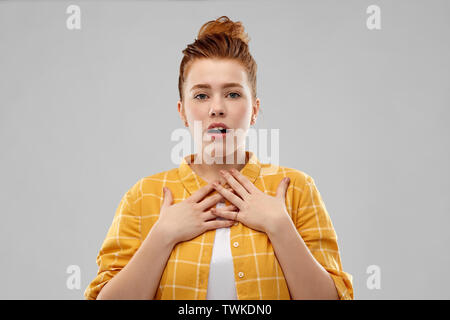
[(224, 25)]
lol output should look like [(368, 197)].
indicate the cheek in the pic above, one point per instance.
[(242, 115), (196, 114)]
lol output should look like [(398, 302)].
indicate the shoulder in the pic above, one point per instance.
[(278, 172), (158, 180), (152, 182)]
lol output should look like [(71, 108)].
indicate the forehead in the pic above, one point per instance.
[(215, 72)]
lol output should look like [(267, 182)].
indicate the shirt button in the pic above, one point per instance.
[(236, 244), (240, 274)]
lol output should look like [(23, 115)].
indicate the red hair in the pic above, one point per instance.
[(220, 38)]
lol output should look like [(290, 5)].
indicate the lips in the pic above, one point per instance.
[(218, 124), (218, 128)]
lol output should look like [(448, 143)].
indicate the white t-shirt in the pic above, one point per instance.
[(221, 284)]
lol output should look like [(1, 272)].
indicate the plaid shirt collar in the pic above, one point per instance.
[(192, 182)]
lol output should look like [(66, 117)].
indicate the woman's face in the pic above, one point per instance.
[(217, 91)]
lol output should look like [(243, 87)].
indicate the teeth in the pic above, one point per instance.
[(217, 129)]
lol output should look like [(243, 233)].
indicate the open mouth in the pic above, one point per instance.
[(218, 131)]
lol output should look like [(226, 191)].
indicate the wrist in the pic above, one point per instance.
[(278, 225), (163, 237)]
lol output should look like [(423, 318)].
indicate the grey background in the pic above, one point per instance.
[(85, 114)]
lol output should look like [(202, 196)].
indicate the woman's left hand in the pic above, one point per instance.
[(256, 209)]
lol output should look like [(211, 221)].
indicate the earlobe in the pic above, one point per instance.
[(255, 111), (181, 112)]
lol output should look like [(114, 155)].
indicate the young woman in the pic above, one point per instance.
[(214, 228)]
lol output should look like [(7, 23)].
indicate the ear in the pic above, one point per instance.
[(181, 112), (255, 111)]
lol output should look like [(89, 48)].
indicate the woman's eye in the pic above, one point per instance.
[(201, 94)]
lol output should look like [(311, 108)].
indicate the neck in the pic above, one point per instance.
[(209, 168)]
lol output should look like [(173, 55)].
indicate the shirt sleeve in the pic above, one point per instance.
[(121, 242), (316, 229)]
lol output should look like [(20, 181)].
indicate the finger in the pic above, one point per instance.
[(236, 185), (227, 208), (226, 214), (201, 193), (214, 224), (167, 197), (282, 187), (208, 215), (210, 201), (243, 180), (230, 196)]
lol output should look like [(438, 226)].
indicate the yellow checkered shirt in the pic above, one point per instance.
[(258, 275)]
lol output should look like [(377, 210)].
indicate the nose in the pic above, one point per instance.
[(213, 113), (216, 110)]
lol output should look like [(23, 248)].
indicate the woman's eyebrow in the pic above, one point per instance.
[(207, 86)]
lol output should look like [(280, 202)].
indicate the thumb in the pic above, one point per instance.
[(282, 187), (167, 197)]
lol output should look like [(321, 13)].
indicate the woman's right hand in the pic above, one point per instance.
[(191, 217)]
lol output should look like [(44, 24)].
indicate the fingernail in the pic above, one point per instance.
[(287, 180)]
